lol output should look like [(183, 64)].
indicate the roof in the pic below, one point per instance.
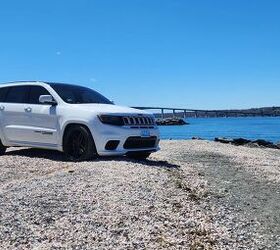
[(52, 84), (14, 82)]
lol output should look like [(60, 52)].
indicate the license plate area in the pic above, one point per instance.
[(145, 133)]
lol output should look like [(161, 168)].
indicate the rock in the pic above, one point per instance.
[(252, 145), (240, 141), (171, 122), (272, 146), (267, 144), (248, 143), (263, 143), (196, 138), (223, 140)]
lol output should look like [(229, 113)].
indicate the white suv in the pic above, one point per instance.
[(73, 119)]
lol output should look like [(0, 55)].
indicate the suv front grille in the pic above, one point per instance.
[(138, 121), (135, 142)]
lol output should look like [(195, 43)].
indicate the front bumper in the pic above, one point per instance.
[(105, 133)]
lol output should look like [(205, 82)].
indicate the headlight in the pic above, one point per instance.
[(111, 119)]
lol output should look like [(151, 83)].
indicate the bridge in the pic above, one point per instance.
[(195, 111), (183, 110)]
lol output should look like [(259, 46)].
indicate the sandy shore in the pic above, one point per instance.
[(190, 195)]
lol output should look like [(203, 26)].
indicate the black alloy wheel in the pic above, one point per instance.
[(78, 144), (2, 148)]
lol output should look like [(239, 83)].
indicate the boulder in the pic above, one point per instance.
[(274, 146), (248, 143), (223, 140), (252, 145), (171, 122), (196, 138), (240, 141), (263, 143)]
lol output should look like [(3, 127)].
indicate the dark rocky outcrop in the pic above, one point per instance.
[(196, 138), (240, 141), (263, 143), (171, 122), (249, 143), (223, 140)]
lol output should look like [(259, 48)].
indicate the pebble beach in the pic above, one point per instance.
[(190, 195)]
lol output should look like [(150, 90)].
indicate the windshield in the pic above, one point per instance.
[(78, 95)]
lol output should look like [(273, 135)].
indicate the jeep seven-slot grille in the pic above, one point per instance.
[(138, 121)]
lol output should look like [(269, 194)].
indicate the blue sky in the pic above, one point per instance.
[(207, 54)]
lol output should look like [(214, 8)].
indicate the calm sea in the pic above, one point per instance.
[(267, 128)]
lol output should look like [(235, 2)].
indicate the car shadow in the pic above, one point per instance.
[(59, 156), (38, 153)]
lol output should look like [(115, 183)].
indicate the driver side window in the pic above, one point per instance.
[(35, 92)]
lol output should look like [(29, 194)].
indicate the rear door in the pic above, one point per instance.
[(3, 92), (13, 116)]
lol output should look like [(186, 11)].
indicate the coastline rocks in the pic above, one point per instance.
[(170, 122), (248, 143), (223, 140), (240, 141), (263, 143), (196, 138), (252, 145)]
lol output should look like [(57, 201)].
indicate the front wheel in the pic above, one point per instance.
[(138, 155), (2, 148), (78, 144)]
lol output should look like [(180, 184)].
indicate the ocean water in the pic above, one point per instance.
[(267, 128)]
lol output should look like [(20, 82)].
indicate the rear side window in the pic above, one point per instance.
[(17, 94), (3, 92), (35, 92)]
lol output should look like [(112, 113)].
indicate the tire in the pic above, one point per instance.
[(138, 155), (78, 144), (2, 148)]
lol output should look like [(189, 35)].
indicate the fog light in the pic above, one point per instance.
[(112, 145)]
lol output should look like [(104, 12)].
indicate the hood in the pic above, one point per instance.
[(108, 108)]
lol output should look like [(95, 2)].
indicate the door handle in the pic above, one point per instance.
[(28, 109), (2, 108)]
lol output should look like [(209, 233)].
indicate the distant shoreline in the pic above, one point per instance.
[(253, 112)]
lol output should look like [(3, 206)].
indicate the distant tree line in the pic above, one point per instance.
[(266, 111)]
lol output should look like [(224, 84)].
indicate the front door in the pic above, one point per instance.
[(42, 119)]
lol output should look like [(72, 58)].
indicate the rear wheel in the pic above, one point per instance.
[(138, 155), (2, 148), (78, 144)]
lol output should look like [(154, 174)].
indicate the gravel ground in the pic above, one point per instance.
[(190, 195)]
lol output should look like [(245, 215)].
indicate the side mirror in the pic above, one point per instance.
[(47, 99)]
